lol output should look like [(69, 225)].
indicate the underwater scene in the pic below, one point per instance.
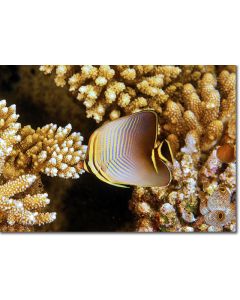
[(118, 148)]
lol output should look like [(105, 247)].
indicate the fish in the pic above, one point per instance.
[(125, 152)]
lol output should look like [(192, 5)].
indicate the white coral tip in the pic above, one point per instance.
[(53, 216), (31, 178), (3, 102)]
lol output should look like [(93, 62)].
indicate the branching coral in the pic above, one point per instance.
[(23, 154), (199, 110), (23, 211), (51, 150), (115, 90), (201, 196), (197, 114)]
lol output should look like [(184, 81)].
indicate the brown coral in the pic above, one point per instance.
[(203, 114), (50, 149), (23, 211), (23, 154), (197, 114), (123, 89)]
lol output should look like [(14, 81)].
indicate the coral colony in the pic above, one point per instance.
[(25, 154), (196, 108)]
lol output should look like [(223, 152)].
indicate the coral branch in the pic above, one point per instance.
[(196, 106), (24, 153)]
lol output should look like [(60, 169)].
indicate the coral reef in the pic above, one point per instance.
[(196, 106), (81, 205), (200, 124), (50, 149), (24, 154), (115, 90), (20, 213)]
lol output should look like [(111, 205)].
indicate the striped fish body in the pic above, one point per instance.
[(122, 152)]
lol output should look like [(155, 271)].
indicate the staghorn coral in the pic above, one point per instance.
[(24, 153)]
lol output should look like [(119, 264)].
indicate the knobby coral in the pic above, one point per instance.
[(115, 90), (198, 122), (24, 153)]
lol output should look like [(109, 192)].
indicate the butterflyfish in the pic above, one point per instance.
[(125, 152)]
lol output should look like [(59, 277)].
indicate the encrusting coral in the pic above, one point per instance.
[(217, 209), (24, 153), (197, 113)]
